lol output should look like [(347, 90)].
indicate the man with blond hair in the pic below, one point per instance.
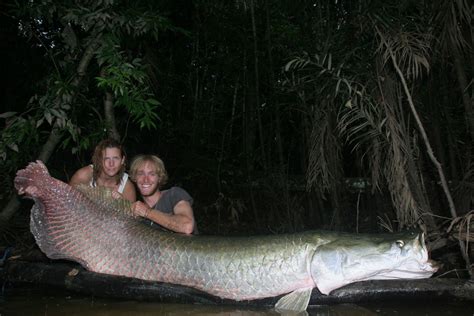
[(170, 209)]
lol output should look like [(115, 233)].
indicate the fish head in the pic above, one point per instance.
[(355, 258)]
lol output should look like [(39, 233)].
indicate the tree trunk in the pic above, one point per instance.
[(263, 152), (248, 129), (274, 106), (195, 58), (467, 101), (110, 122)]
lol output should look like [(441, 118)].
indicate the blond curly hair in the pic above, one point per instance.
[(159, 165)]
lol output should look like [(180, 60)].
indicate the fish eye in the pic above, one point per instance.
[(400, 243)]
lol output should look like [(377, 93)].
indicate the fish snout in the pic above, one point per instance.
[(433, 265)]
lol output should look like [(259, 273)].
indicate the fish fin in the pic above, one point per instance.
[(296, 301), (33, 175)]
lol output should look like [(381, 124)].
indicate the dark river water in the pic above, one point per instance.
[(52, 302)]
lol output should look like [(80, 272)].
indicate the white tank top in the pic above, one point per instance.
[(121, 187)]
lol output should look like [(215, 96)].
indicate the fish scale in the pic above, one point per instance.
[(87, 225)]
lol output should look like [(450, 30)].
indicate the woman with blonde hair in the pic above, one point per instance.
[(107, 170)]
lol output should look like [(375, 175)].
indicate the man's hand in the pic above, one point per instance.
[(140, 209)]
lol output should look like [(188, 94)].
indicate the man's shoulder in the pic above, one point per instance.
[(177, 193), (175, 189)]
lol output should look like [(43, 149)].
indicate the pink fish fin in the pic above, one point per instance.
[(294, 302), (51, 237), (33, 175)]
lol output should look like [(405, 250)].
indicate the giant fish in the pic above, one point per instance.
[(88, 226)]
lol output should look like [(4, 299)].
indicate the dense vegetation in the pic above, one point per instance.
[(276, 116)]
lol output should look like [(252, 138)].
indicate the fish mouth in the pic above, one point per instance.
[(422, 270)]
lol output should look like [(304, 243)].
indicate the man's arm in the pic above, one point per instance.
[(182, 221)]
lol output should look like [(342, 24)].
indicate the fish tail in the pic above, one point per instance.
[(32, 176)]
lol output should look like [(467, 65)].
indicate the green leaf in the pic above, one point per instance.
[(48, 117), (153, 101), (13, 147), (7, 114), (39, 122)]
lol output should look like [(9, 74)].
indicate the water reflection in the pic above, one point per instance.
[(52, 303)]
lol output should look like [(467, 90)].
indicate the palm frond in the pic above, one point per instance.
[(323, 152), (450, 16), (412, 51)]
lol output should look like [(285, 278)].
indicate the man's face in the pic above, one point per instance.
[(147, 179), (112, 161)]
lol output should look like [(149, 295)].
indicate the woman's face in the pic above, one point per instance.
[(112, 161)]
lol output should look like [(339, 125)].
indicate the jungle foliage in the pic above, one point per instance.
[(277, 116)]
